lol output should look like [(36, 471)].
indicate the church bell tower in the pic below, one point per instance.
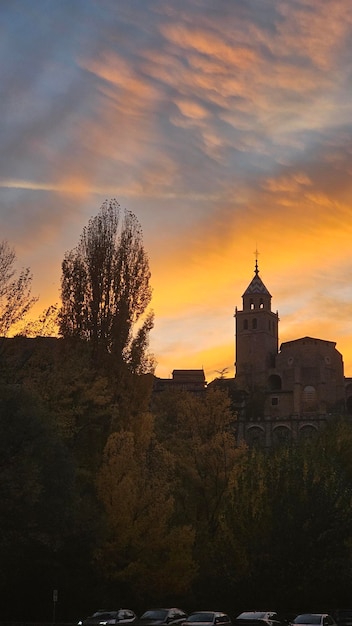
[(257, 330)]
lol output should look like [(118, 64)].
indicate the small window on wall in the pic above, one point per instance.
[(254, 322), (275, 401), (261, 304), (245, 325), (309, 398), (251, 305)]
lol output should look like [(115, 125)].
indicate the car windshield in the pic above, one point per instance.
[(201, 617), (307, 618), (155, 614), (252, 615)]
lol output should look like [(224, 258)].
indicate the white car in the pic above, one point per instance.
[(314, 619), (103, 617), (251, 618)]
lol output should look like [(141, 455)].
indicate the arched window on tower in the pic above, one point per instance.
[(251, 305), (254, 322), (261, 303), (245, 324)]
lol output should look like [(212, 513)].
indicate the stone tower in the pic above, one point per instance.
[(256, 336)]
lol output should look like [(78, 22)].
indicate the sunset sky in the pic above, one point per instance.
[(223, 125)]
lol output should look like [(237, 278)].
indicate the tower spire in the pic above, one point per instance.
[(256, 269), (257, 331)]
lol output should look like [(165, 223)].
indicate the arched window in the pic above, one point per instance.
[(254, 322), (245, 324), (255, 436), (274, 382), (307, 431), (282, 434), (261, 303), (251, 305)]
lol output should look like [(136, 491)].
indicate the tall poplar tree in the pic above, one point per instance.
[(105, 288)]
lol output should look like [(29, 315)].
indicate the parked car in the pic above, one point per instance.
[(257, 618), (343, 617), (314, 619), (102, 617), (158, 617), (208, 618)]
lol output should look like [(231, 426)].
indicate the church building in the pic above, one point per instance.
[(289, 391)]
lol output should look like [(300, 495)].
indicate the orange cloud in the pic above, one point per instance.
[(207, 42), (191, 109)]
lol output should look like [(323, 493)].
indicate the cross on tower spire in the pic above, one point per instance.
[(256, 270)]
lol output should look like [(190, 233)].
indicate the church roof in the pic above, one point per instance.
[(256, 285), (307, 340)]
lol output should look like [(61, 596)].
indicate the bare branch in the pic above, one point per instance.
[(15, 291)]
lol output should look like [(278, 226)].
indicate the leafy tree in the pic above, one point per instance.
[(36, 502), (15, 290), (290, 510), (197, 430), (105, 287), (144, 547), (77, 396)]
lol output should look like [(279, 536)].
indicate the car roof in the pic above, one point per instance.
[(163, 608), (205, 611), (256, 613), (321, 614), (210, 612), (307, 615)]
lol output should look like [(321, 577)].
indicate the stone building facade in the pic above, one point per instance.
[(287, 392), (182, 380)]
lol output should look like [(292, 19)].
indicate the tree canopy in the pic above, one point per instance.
[(105, 288)]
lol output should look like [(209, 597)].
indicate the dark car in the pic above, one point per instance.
[(258, 618), (102, 617), (208, 618), (157, 617)]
